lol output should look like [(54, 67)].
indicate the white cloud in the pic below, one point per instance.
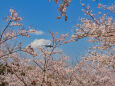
[(38, 32), (40, 42)]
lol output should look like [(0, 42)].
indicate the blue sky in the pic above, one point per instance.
[(42, 15)]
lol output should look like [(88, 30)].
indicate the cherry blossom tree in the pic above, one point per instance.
[(9, 51), (100, 62), (48, 65)]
